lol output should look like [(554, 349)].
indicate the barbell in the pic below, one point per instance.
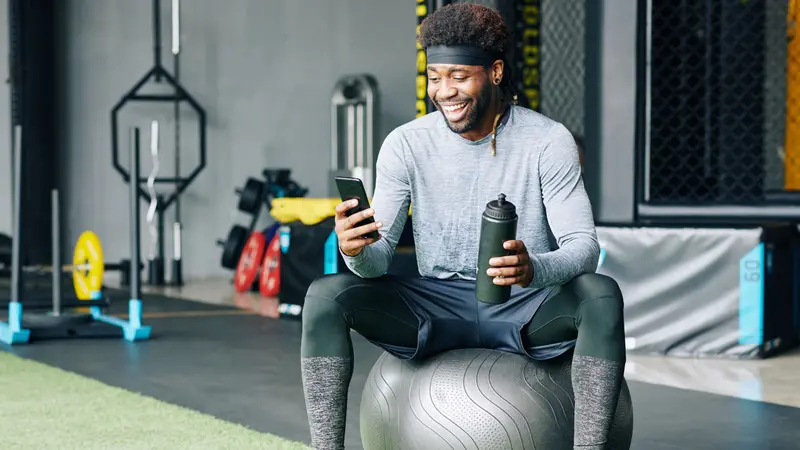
[(87, 268)]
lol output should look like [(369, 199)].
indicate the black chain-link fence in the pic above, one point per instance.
[(563, 66), (721, 129)]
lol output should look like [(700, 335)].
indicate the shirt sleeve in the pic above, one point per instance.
[(569, 214), (390, 202)]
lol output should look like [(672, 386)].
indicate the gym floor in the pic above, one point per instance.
[(224, 355)]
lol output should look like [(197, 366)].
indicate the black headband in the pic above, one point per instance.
[(468, 55)]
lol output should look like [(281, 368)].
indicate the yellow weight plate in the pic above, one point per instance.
[(88, 267)]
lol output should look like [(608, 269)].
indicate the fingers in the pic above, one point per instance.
[(345, 223), (508, 281), (517, 246), (342, 208), (358, 217), (511, 271), (357, 232), (507, 276), (510, 260)]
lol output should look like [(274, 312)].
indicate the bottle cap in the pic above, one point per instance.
[(500, 209)]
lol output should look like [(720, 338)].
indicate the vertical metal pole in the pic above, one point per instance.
[(17, 283), (360, 153), (55, 220), (176, 27), (177, 262), (134, 199), (177, 268), (160, 253), (351, 131), (593, 104), (369, 99), (157, 37)]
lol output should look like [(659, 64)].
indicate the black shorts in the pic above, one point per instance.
[(451, 317)]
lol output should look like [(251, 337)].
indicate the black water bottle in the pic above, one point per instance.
[(498, 224)]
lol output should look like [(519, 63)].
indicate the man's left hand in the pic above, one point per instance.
[(515, 268)]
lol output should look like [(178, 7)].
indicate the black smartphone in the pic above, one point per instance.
[(353, 188)]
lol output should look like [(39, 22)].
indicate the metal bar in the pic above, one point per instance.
[(176, 50), (708, 119), (17, 291), (642, 122), (157, 98), (155, 198), (134, 200), (360, 155), (160, 225), (176, 241), (369, 135), (176, 278), (176, 180), (648, 105), (334, 136), (750, 213), (176, 27), (157, 35), (351, 144), (56, 225), (592, 104)]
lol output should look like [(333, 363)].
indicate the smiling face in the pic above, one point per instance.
[(464, 95), (461, 93)]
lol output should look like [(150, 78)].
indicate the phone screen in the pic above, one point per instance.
[(353, 188)]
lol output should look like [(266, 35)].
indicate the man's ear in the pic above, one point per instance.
[(496, 72)]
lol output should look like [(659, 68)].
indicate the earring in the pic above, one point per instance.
[(497, 81)]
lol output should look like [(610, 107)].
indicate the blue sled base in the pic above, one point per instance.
[(132, 329), (19, 330), (11, 337)]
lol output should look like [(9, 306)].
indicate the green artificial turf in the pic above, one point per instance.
[(42, 407)]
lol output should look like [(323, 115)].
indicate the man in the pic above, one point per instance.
[(448, 165)]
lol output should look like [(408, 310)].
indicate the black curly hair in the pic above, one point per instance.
[(470, 23)]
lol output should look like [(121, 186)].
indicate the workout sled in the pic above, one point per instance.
[(26, 327)]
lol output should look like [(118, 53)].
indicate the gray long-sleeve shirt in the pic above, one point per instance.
[(448, 180)]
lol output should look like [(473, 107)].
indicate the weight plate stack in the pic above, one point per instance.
[(249, 262)]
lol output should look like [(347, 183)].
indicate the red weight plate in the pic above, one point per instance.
[(247, 269), (270, 282)]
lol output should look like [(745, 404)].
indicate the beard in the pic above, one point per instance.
[(477, 111)]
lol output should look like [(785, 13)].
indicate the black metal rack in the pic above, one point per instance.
[(159, 74)]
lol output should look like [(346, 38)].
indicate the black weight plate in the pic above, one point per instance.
[(233, 246), (252, 196), (5, 250)]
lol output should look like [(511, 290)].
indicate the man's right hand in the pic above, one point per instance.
[(352, 240)]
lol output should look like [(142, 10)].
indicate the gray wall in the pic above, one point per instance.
[(263, 70), (5, 126)]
